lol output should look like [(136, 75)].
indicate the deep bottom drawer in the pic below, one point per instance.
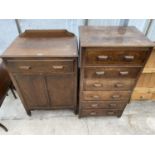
[(100, 112)]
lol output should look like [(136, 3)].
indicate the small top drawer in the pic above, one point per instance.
[(37, 66), (115, 56)]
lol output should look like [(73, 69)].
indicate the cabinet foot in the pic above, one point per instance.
[(28, 113)]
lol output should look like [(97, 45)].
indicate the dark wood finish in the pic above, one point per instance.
[(112, 58), (115, 56), (109, 84), (43, 67), (111, 72)]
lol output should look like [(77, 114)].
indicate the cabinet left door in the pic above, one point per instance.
[(33, 90)]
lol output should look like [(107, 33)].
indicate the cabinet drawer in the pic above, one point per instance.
[(115, 56), (105, 104), (106, 95), (111, 72), (109, 84), (31, 66), (99, 112)]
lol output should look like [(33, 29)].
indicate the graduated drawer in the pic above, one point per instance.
[(109, 84), (103, 104), (99, 112), (111, 72), (105, 95), (115, 56), (31, 66)]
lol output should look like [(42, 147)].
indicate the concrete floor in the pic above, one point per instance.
[(138, 118)]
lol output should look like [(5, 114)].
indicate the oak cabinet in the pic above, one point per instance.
[(43, 68)]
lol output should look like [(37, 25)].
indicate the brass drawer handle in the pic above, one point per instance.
[(25, 67), (102, 57), (100, 73), (124, 72), (58, 67), (97, 85), (129, 57), (118, 85), (110, 113), (96, 97), (94, 105), (116, 96), (93, 113)]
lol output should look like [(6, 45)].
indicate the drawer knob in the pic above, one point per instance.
[(112, 105), (110, 113), (118, 85), (95, 105), (96, 97), (93, 113), (58, 67), (97, 85), (102, 57), (25, 67), (116, 96), (129, 57), (100, 73), (124, 72)]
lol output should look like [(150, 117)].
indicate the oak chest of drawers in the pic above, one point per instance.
[(111, 60), (43, 67)]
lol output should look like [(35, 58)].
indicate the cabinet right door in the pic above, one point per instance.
[(61, 90)]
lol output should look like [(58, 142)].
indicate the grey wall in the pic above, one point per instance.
[(9, 31)]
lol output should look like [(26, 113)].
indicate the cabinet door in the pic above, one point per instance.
[(33, 90), (61, 90)]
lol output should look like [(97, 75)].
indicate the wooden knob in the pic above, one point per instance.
[(110, 113), (124, 72), (97, 85), (93, 113), (102, 57), (58, 67), (112, 104), (94, 105), (100, 73), (25, 67), (116, 96), (119, 85), (129, 57), (96, 97)]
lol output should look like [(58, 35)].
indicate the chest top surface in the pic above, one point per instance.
[(43, 43), (112, 36)]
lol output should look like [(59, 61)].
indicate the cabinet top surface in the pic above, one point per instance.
[(43, 43), (113, 36)]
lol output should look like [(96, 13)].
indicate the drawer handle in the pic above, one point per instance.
[(124, 73), (102, 57), (110, 112), (93, 113), (25, 67), (118, 85), (99, 73), (129, 57), (97, 85), (95, 105), (112, 105), (58, 67), (116, 96), (96, 97)]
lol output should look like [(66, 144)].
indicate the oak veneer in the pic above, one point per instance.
[(111, 60), (43, 68)]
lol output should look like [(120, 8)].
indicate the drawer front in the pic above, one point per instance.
[(31, 66), (105, 104), (141, 95), (106, 95), (115, 56), (109, 84), (111, 72), (99, 112)]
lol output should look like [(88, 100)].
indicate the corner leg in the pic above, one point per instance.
[(120, 114), (28, 112), (3, 127), (11, 88)]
